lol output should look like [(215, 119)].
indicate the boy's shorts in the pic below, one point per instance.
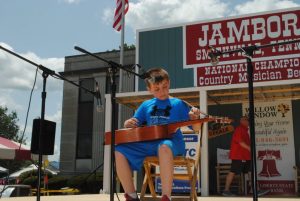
[(136, 152), (239, 166)]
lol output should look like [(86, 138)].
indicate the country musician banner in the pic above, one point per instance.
[(275, 150), (273, 63), (268, 70)]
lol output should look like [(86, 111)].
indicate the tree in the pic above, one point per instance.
[(8, 124), (9, 129), (126, 47)]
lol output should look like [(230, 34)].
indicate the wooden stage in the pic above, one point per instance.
[(105, 197)]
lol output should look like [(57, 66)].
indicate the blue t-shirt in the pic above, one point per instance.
[(158, 112)]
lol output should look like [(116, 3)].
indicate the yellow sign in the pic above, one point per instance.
[(46, 163), (222, 130)]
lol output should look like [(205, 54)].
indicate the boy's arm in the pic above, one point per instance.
[(138, 117), (244, 145), (131, 123), (194, 114)]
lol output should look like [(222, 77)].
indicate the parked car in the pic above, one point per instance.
[(14, 190)]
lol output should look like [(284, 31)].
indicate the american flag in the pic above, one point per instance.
[(118, 14)]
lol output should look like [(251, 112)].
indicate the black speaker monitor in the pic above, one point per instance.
[(47, 137)]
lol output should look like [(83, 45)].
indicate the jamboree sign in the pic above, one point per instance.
[(274, 63)]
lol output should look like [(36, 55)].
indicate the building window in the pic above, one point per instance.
[(85, 120)]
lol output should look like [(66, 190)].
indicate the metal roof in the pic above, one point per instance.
[(221, 96)]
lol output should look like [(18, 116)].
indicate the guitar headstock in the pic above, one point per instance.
[(221, 120)]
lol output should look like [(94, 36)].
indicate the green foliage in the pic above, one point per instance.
[(86, 183), (8, 124), (14, 165), (126, 47), (31, 177), (58, 182), (32, 173), (32, 181), (10, 130)]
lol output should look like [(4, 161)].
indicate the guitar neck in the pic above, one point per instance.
[(172, 127)]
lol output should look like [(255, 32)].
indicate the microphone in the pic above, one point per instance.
[(80, 49), (145, 75), (99, 107), (213, 53)]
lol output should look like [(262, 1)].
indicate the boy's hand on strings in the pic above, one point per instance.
[(194, 113), (131, 123)]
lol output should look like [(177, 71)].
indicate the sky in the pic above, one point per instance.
[(45, 31)]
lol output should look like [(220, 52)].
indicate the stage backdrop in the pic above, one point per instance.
[(275, 149), (270, 64), (182, 50)]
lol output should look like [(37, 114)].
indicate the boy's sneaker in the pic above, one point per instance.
[(128, 198), (228, 194), (262, 192), (165, 198)]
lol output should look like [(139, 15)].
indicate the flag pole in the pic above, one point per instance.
[(121, 63), (121, 56), (122, 46)]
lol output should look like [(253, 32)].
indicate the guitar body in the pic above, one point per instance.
[(148, 133), (138, 134)]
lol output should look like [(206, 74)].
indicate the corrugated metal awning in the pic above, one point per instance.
[(224, 96)]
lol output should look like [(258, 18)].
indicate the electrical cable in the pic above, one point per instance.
[(28, 108), (115, 170)]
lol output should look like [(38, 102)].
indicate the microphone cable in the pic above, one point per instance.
[(28, 108)]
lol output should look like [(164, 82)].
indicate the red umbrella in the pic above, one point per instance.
[(10, 149)]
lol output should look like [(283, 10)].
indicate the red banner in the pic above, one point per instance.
[(272, 63), (269, 70), (234, 33), (279, 187)]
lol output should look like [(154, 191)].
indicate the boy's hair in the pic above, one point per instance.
[(156, 75)]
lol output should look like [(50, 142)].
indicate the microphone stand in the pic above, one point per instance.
[(114, 67), (248, 51), (45, 74)]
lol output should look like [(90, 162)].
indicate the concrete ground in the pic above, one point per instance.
[(106, 197)]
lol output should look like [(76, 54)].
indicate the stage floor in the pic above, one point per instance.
[(104, 197)]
